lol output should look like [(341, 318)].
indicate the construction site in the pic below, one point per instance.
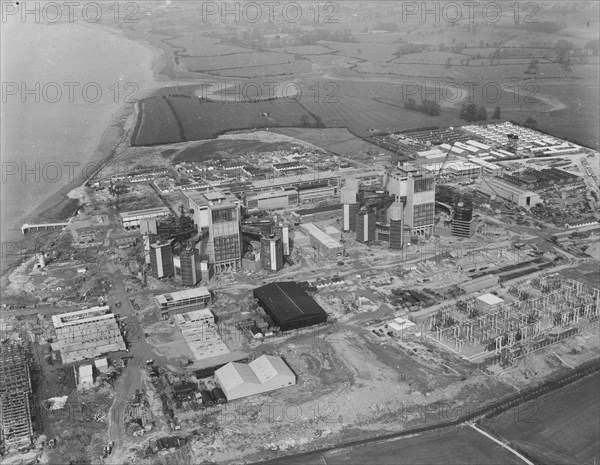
[(86, 334), (16, 430), (535, 313)]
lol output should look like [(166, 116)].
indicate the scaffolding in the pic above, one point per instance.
[(16, 431), (515, 326)]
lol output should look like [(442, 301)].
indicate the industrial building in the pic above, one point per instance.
[(396, 228), (272, 200), (401, 327), (416, 191), (201, 333), (187, 267), (326, 246), (461, 170), (16, 430), (133, 219), (161, 259), (190, 269), (289, 305), (316, 193), (283, 231), (463, 223), (365, 226), (219, 213), (86, 334), (507, 191), (349, 199), (308, 215), (488, 302), (266, 373), (271, 253), (183, 301), (304, 178)]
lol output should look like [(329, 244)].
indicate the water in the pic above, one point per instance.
[(46, 142)]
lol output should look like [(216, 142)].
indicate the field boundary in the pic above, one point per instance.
[(488, 412)]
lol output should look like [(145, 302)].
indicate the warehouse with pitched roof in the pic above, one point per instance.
[(289, 305), (266, 373)]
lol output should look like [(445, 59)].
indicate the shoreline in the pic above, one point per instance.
[(58, 206)]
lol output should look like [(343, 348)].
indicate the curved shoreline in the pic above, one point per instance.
[(58, 206)]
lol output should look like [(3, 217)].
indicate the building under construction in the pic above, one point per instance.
[(86, 334), (553, 306), (463, 223), (16, 430)]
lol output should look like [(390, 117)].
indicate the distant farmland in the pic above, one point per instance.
[(171, 116), (560, 427), (179, 117)]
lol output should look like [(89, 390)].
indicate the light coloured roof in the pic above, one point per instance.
[(267, 367), (321, 235), (490, 299), (147, 211), (235, 374), (183, 295), (82, 316), (307, 176), (85, 371)]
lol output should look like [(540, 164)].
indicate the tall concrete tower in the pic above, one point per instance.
[(220, 213), (395, 214), (349, 195), (415, 189), (365, 226)]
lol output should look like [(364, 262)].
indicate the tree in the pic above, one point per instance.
[(304, 121), (468, 113), (497, 113), (481, 114), (431, 107), (411, 104)]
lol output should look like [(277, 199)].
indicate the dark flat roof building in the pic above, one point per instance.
[(289, 305)]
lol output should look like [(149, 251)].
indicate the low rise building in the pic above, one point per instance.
[(272, 200), (183, 301), (510, 192), (488, 302), (132, 219), (326, 246)]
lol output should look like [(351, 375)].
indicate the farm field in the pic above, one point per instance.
[(181, 116), (367, 63), (558, 428), (462, 445)]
